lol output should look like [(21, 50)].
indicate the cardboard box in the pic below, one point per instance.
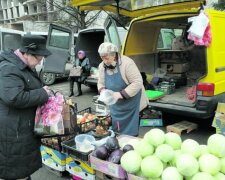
[(219, 119), (107, 168), (79, 169), (175, 67), (133, 177), (102, 176), (53, 159)]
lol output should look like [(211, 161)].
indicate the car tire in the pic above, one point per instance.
[(47, 78)]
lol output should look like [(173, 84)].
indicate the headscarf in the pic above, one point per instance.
[(81, 54)]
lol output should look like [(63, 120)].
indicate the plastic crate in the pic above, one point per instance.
[(55, 142), (87, 126), (69, 147)]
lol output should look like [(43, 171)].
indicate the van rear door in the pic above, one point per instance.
[(136, 8), (112, 32), (60, 43)]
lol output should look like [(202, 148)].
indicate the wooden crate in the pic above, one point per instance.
[(181, 126)]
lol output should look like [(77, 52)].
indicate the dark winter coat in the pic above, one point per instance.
[(20, 93), (85, 65)]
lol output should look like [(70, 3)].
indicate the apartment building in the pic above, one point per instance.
[(33, 15), (28, 15)]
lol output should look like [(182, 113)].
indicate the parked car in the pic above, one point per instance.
[(49, 78), (198, 71)]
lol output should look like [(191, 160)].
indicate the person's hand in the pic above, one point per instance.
[(117, 95), (47, 89), (102, 90)]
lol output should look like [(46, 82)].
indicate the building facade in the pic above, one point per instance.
[(32, 15)]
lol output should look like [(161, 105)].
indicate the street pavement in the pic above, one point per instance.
[(201, 134)]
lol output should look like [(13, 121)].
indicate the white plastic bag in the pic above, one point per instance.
[(160, 73), (199, 25), (106, 96)]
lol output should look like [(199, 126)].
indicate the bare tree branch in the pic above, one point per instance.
[(70, 16)]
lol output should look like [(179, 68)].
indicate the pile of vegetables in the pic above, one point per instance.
[(111, 151), (164, 156)]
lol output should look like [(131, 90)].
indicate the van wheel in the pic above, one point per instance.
[(47, 78)]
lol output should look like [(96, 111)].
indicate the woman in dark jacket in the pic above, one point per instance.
[(21, 92), (82, 61)]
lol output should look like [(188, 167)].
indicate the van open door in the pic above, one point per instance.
[(112, 32), (59, 42), (136, 8)]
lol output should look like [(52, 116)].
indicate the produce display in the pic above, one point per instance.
[(110, 151), (55, 142), (163, 156), (100, 130), (86, 122)]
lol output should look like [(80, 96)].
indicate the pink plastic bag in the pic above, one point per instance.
[(48, 119), (205, 40), (191, 93)]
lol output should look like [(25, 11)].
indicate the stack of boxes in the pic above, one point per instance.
[(176, 65)]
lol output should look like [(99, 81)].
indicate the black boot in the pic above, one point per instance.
[(79, 89), (71, 88)]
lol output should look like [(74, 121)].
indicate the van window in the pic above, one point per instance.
[(60, 39), (166, 37), (113, 34), (8, 38)]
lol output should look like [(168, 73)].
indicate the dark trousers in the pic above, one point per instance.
[(78, 82)]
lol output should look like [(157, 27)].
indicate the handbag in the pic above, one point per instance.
[(75, 71)]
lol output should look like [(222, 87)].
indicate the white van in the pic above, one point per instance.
[(87, 40), (10, 39), (49, 78)]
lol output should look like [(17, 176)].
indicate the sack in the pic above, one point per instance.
[(75, 71), (48, 119), (69, 115)]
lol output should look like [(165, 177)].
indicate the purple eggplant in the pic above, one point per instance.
[(115, 156)]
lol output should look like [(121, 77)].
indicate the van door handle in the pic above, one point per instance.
[(220, 69)]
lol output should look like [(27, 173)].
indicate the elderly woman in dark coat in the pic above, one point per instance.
[(21, 92), (84, 63)]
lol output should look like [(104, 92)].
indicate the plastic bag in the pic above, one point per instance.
[(106, 96), (205, 40), (160, 73), (48, 119), (199, 25)]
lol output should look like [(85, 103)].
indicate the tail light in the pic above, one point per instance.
[(205, 89)]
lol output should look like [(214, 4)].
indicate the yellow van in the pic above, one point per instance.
[(193, 67)]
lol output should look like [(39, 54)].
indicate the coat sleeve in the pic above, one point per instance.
[(12, 90), (133, 76), (87, 65)]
